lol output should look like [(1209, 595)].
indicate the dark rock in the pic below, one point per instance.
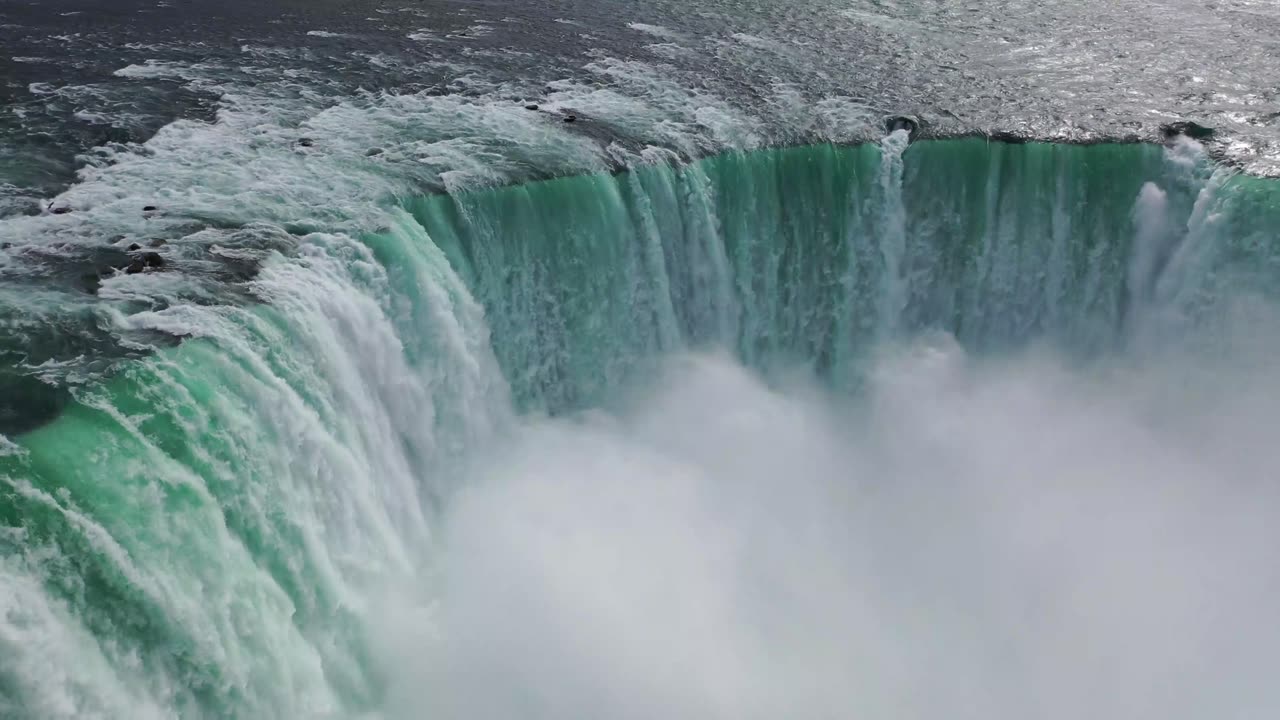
[(134, 247), (1193, 130), (143, 262), (6, 246), (531, 106), (150, 208), (1008, 137), (570, 118), (60, 210), (893, 123), (306, 142)]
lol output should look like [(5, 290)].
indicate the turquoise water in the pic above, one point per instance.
[(806, 256), (262, 520)]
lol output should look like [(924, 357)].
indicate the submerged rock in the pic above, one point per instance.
[(910, 123), (531, 106), (90, 283), (306, 142), (27, 402), (1008, 137), (143, 262), (1193, 130), (570, 118)]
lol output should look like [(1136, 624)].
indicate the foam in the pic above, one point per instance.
[(654, 30)]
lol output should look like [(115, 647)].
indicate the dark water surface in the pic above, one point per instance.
[(76, 75)]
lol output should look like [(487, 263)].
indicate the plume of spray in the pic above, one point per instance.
[(969, 539)]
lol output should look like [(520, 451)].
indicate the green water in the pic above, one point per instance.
[(209, 532), (784, 255)]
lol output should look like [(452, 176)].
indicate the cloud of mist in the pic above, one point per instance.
[(969, 539)]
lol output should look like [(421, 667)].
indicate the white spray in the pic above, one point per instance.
[(973, 539), (893, 230)]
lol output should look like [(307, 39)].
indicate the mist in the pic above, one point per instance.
[(967, 538)]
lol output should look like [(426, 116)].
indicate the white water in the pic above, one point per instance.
[(975, 540), (893, 229)]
